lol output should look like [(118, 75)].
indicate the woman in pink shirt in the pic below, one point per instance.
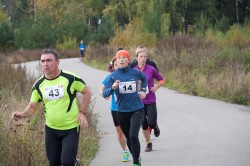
[(150, 119)]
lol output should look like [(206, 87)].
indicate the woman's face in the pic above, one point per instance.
[(142, 58), (122, 61), (115, 65)]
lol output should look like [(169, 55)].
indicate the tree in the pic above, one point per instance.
[(235, 10), (105, 30), (121, 16), (6, 33), (152, 21), (37, 33)]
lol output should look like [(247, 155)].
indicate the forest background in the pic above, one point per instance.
[(200, 47)]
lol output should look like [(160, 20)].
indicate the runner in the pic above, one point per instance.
[(113, 108), (148, 62), (150, 119), (57, 90), (124, 82), (82, 47)]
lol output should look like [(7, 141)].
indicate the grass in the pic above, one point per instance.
[(202, 68), (194, 66)]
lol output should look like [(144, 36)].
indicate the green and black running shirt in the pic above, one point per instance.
[(59, 99)]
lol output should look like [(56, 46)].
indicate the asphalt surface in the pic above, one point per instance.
[(195, 131)]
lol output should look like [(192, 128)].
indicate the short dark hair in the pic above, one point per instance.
[(51, 51), (119, 49)]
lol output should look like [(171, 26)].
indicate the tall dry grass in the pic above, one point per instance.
[(194, 65), (202, 68)]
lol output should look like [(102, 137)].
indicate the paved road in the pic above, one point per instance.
[(195, 131)]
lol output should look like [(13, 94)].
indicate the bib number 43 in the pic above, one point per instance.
[(54, 92)]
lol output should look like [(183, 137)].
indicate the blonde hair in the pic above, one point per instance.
[(139, 50)]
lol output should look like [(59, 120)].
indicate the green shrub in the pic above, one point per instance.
[(238, 36), (132, 35), (67, 43), (223, 24), (6, 36)]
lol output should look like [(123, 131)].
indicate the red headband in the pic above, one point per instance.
[(123, 53)]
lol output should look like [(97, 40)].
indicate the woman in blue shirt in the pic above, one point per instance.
[(113, 108), (130, 109)]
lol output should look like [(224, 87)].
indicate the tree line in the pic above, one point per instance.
[(33, 24)]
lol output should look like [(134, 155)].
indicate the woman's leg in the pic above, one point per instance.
[(123, 119), (152, 115), (120, 135), (136, 122)]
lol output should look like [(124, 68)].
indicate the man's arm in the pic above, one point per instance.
[(83, 110), (27, 112), (86, 100)]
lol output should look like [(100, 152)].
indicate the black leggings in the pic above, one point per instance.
[(61, 146), (113, 113), (150, 118), (130, 123)]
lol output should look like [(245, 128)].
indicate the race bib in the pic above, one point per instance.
[(127, 87), (54, 92)]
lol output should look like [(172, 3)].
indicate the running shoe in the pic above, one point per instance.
[(139, 164), (125, 156), (148, 147), (157, 131), (136, 164)]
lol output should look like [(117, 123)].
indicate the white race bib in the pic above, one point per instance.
[(127, 87), (54, 92)]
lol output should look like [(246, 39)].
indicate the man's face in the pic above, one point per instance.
[(142, 58), (49, 63)]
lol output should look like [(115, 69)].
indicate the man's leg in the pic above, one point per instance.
[(53, 147), (70, 147)]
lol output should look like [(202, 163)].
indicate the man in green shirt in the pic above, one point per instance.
[(57, 90)]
